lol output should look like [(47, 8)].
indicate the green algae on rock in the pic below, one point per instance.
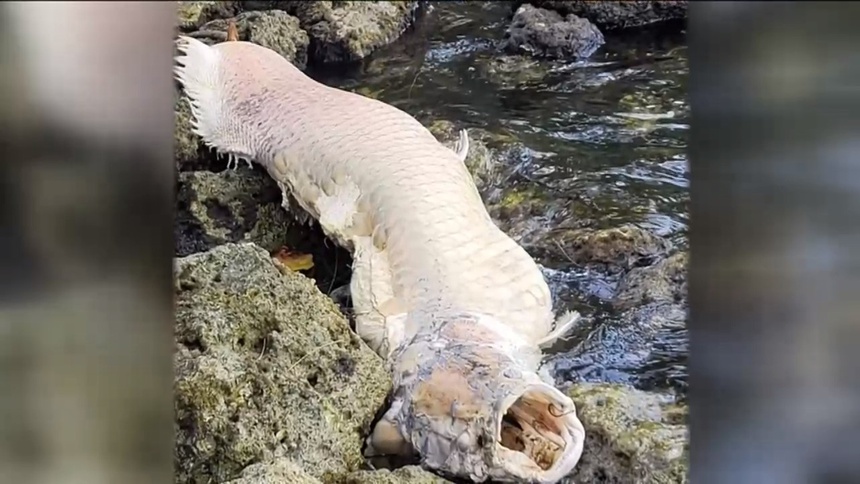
[(617, 248), (266, 367), (274, 29), (192, 15), (663, 281), (510, 71), (631, 436), (403, 475), (231, 206), (349, 30), (187, 147), (614, 15), (278, 471)]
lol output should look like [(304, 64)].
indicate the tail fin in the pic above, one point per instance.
[(198, 70)]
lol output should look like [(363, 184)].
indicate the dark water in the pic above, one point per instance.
[(601, 143)]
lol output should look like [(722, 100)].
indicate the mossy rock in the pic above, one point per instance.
[(631, 436), (665, 281), (279, 471), (351, 30), (615, 15), (274, 29), (616, 249), (510, 71), (192, 15), (188, 150), (546, 34), (403, 475), (266, 367), (230, 206)]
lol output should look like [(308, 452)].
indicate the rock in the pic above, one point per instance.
[(192, 15), (279, 471), (615, 249), (347, 31), (545, 33), (189, 152), (231, 206), (612, 15), (479, 159), (664, 281), (273, 29), (631, 436), (266, 368), (511, 71), (403, 475)]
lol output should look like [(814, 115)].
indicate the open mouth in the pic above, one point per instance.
[(541, 425)]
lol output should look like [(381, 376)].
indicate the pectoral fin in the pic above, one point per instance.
[(461, 146)]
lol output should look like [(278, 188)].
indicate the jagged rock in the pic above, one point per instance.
[(273, 29), (189, 153), (231, 206), (613, 15), (192, 15), (349, 30), (545, 33), (266, 368), (279, 471), (663, 281), (403, 475), (510, 71), (616, 249), (631, 436)]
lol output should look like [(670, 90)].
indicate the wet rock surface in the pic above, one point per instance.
[(615, 249), (631, 436), (663, 281), (614, 15), (546, 33), (266, 368), (510, 71)]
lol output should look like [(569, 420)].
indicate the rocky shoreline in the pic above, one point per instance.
[(271, 383)]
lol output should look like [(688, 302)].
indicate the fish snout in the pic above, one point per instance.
[(474, 412)]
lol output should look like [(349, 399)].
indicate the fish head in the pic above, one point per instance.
[(468, 402)]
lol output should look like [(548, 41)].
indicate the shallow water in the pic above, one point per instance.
[(601, 143)]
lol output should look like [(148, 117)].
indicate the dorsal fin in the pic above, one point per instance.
[(232, 31)]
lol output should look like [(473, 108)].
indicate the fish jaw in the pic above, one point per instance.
[(470, 404)]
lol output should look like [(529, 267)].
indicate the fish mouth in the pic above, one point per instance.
[(538, 435)]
